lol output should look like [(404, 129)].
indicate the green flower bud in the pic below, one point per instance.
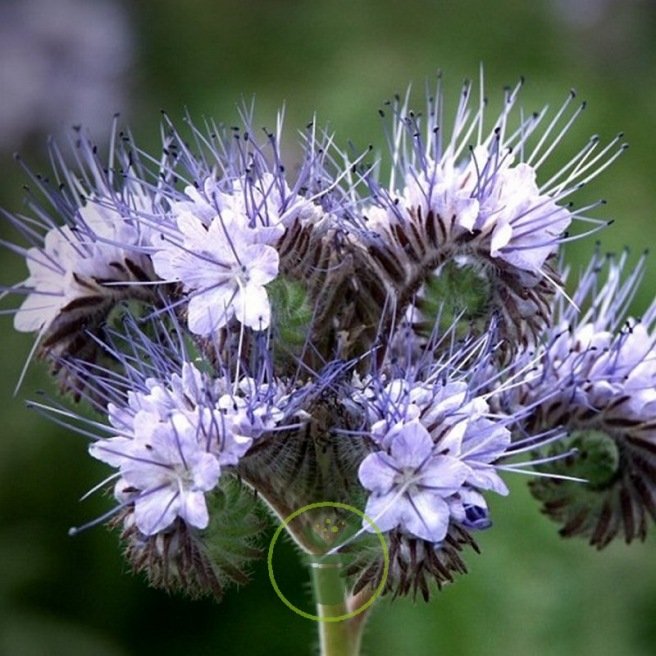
[(457, 293)]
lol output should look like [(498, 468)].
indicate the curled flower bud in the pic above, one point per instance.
[(434, 448), (473, 215), (90, 235), (603, 367)]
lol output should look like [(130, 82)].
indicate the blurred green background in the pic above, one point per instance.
[(529, 592)]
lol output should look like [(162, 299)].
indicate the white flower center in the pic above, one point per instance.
[(241, 274), (407, 478)]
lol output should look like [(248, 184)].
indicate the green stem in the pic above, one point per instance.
[(337, 638)]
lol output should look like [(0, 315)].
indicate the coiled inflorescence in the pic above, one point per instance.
[(248, 333)]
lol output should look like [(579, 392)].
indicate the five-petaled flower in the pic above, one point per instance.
[(410, 484), (224, 266), (438, 451), (165, 472)]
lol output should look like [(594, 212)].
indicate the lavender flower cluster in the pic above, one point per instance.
[(247, 332)]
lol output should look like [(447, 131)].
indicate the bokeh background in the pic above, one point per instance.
[(64, 62)]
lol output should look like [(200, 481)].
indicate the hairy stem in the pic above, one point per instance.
[(339, 636)]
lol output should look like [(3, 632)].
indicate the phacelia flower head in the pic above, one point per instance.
[(438, 440), (173, 441), (176, 428), (602, 366), (173, 427), (89, 235), (248, 332), (464, 212), (243, 223)]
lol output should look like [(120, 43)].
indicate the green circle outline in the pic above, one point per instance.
[(334, 618)]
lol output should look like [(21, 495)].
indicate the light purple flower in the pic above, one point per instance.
[(424, 430), (226, 419), (67, 268), (410, 484), (599, 368), (503, 215), (173, 438), (600, 358), (224, 267), (473, 192), (165, 470), (263, 203)]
